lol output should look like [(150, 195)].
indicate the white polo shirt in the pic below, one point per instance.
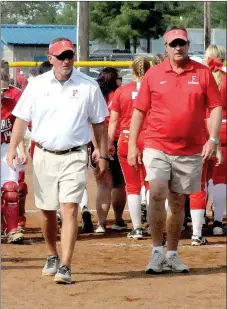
[(62, 115)]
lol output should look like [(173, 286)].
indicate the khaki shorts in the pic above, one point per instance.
[(183, 172), (59, 178)]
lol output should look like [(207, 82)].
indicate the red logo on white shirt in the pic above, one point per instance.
[(74, 92)]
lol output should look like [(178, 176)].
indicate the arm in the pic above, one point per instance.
[(100, 135), (19, 129), (134, 156), (215, 121), (114, 116)]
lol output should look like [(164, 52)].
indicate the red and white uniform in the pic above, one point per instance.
[(7, 121), (123, 103), (219, 173)]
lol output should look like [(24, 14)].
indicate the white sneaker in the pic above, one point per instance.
[(198, 240), (175, 265), (100, 229), (156, 263)]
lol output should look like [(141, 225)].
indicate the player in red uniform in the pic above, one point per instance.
[(110, 189), (121, 112), (214, 59), (10, 188)]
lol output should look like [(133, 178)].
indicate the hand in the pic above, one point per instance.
[(95, 155), (101, 169), (23, 158), (209, 150), (12, 159), (134, 156), (219, 156)]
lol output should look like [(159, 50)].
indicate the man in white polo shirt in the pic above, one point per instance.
[(62, 104)]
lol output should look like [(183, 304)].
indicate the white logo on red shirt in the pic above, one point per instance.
[(163, 82), (193, 81)]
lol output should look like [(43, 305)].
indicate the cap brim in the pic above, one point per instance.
[(62, 50), (177, 37)]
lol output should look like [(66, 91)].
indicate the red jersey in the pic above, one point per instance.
[(223, 95), (7, 119), (123, 103), (13, 93), (176, 106), (9, 101), (107, 120)]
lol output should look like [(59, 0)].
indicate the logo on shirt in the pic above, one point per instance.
[(163, 82), (75, 92), (134, 94), (193, 81)]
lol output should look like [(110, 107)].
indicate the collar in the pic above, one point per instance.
[(168, 68), (72, 77)]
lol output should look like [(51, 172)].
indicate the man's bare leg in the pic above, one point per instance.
[(175, 219), (49, 230), (69, 230), (157, 212), (118, 202)]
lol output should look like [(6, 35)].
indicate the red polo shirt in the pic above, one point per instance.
[(177, 106), (223, 95)]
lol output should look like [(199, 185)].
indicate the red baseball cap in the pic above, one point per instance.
[(59, 47), (176, 34)]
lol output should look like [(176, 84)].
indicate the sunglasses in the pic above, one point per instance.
[(66, 55), (119, 78), (176, 43)]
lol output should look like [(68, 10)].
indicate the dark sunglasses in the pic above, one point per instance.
[(66, 55), (176, 43)]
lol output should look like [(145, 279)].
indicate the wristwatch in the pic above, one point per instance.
[(215, 140)]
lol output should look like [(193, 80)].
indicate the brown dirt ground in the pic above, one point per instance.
[(109, 272)]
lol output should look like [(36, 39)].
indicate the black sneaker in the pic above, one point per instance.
[(64, 275), (87, 225), (135, 234)]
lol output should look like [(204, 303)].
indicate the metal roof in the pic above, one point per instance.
[(36, 34)]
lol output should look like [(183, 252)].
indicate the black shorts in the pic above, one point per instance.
[(114, 167)]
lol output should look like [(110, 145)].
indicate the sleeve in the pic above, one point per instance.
[(97, 111), (115, 104), (23, 108), (143, 99), (212, 91)]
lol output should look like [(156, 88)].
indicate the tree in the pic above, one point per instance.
[(29, 12)]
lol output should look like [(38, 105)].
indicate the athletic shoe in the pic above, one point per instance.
[(119, 226), (15, 237), (156, 263), (101, 229), (218, 228), (135, 234), (175, 265), (143, 213), (198, 240), (51, 266), (63, 275), (147, 230), (87, 225)]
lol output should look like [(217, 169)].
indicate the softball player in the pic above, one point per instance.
[(121, 111), (10, 189)]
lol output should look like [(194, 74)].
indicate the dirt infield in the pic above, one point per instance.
[(109, 272)]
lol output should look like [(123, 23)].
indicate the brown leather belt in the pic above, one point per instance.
[(59, 152)]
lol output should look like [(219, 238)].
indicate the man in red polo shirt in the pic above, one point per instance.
[(175, 94)]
